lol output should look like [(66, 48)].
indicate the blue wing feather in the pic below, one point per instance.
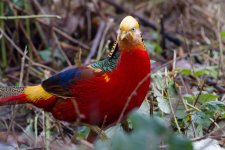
[(67, 76), (59, 84)]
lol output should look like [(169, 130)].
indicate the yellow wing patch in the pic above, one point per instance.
[(106, 77), (36, 93)]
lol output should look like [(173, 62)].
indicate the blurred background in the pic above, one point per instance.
[(185, 39)]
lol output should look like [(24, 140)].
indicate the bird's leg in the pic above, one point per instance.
[(95, 132), (92, 136), (126, 125)]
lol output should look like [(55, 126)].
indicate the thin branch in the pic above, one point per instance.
[(200, 93), (186, 107), (209, 134), (100, 49), (22, 66), (96, 41), (151, 103), (221, 60), (173, 113), (170, 103), (27, 36), (68, 37), (60, 49), (29, 17)]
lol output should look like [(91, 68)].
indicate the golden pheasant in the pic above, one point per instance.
[(98, 92)]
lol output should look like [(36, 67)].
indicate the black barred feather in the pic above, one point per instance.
[(109, 63), (113, 50), (11, 91)]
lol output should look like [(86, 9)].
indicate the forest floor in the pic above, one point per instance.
[(185, 40)]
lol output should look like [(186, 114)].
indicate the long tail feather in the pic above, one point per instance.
[(12, 95), (35, 95), (11, 91)]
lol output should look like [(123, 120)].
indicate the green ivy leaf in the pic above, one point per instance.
[(206, 97), (188, 97), (222, 34), (145, 108), (171, 90), (163, 105), (185, 71), (209, 70), (158, 80), (201, 118), (180, 112), (203, 98), (46, 54)]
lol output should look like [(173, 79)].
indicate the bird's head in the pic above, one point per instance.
[(129, 34)]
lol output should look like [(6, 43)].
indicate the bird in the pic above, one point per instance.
[(95, 94)]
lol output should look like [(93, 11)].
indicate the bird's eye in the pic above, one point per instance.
[(133, 29)]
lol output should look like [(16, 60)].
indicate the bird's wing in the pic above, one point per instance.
[(60, 83)]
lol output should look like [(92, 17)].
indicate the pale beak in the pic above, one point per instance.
[(123, 35)]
